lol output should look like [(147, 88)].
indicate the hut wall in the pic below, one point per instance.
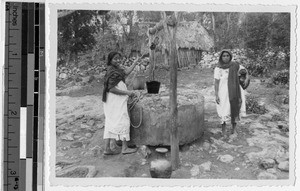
[(187, 57)]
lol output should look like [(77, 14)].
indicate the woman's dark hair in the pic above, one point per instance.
[(110, 56)]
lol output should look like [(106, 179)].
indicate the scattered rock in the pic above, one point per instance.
[(59, 131), (224, 144), (88, 135), (144, 161), (92, 78), (272, 124), (145, 151), (286, 100), (85, 79), (282, 155), (97, 150), (265, 117), (267, 163), (284, 166), (63, 76), (76, 145), (232, 137), (71, 120), (79, 117), (266, 175), (77, 137), (195, 170), (206, 146), (225, 158), (187, 164), (272, 170), (272, 109), (83, 126), (91, 122), (206, 166), (68, 137), (61, 121)]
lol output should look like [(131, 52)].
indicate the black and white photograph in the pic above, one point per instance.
[(173, 94)]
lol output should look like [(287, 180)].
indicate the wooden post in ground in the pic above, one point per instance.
[(169, 24), (170, 27)]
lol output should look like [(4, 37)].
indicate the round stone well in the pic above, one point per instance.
[(154, 130)]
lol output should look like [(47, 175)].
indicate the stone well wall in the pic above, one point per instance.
[(154, 129)]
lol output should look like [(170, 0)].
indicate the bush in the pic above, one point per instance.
[(256, 68), (262, 62), (259, 62), (277, 117), (281, 77), (252, 106)]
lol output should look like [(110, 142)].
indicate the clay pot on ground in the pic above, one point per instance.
[(161, 167)]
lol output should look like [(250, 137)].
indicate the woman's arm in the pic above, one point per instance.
[(115, 90), (130, 69), (217, 82)]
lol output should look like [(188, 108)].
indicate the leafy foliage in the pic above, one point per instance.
[(100, 32), (75, 32), (281, 77), (252, 106), (256, 29)]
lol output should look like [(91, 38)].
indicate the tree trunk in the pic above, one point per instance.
[(228, 22), (170, 31), (213, 23)]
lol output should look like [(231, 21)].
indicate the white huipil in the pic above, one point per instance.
[(117, 121), (223, 108)]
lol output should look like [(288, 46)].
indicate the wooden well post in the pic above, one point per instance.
[(169, 25)]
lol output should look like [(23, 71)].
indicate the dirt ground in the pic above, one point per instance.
[(255, 153)]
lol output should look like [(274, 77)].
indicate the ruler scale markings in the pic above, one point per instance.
[(24, 63), (13, 51)]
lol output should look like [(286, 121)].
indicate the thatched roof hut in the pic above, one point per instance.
[(191, 39), (193, 35)]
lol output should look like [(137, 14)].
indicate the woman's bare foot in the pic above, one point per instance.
[(224, 130), (233, 130), (128, 150), (111, 152)]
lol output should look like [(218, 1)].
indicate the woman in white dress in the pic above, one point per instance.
[(115, 96), (230, 96)]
